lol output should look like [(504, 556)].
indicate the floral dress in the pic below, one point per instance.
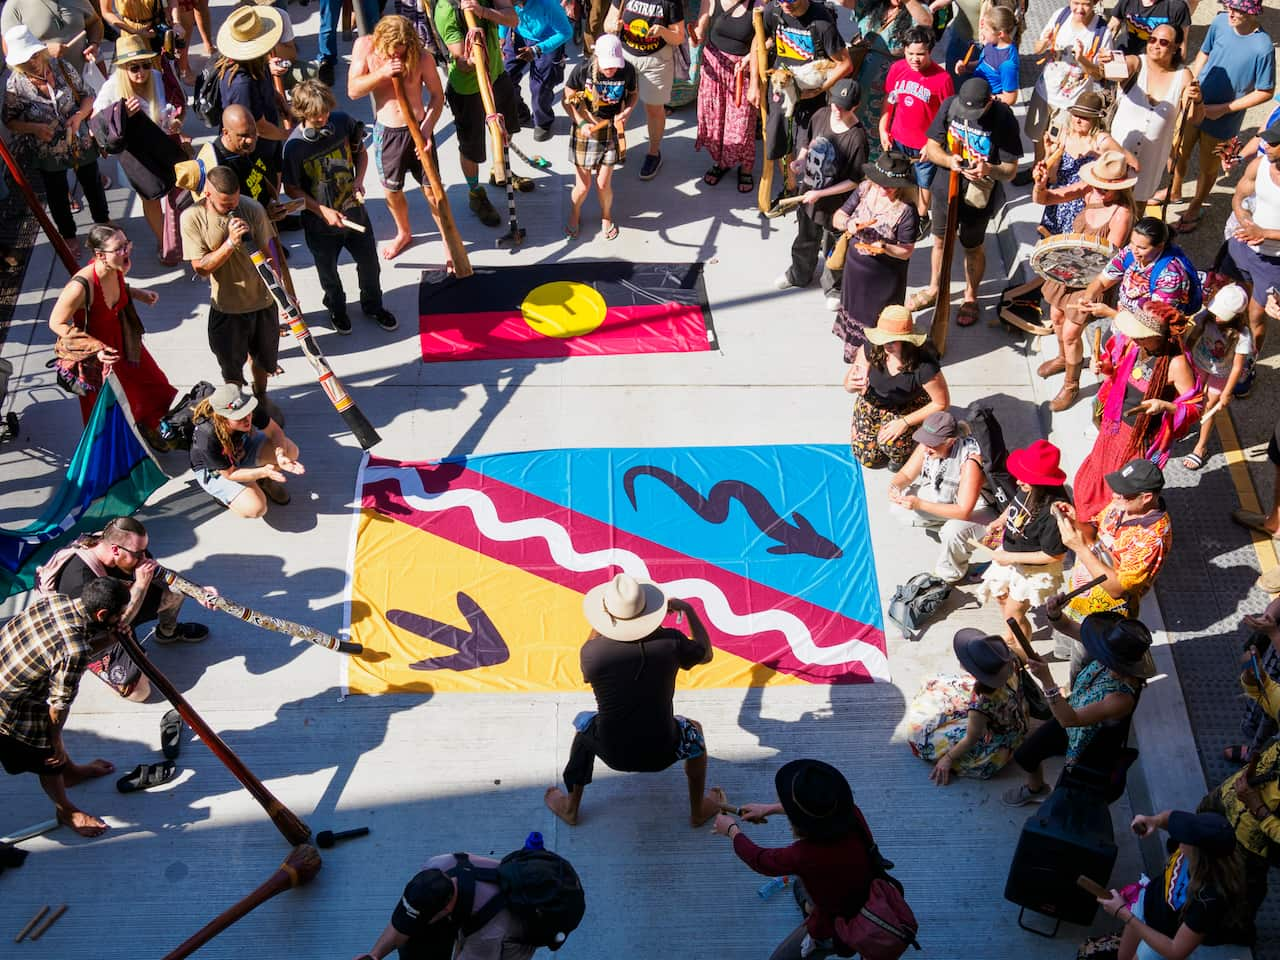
[(26, 103), (939, 718), (1060, 217)]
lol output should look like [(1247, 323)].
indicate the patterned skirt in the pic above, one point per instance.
[(727, 130), (868, 418)]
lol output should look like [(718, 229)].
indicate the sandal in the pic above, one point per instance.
[(171, 735), (967, 315), (746, 181), (612, 232), (1188, 225), (571, 233), (921, 300), (713, 176), (1193, 461), (147, 775), (1236, 753)]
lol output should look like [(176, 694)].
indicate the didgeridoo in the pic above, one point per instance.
[(938, 329), (299, 868), (480, 60), (180, 584), (764, 195), (287, 822), (358, 423), (433, 189)]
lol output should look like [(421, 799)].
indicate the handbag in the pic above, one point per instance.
[(885, 926), (1033, 696), (75, 362)]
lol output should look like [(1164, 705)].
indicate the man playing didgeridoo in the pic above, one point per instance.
[(631, 661), (394, 50), (43, 652)]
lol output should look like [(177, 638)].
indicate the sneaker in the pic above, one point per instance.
[(1021, 795), (542, 134), (524, 114), (1245, 384), (183, 633), (383, 318), (649, 169), (833, 302), (341, 322), (784, 282), (478, 201), (324, 71), (922, 228)]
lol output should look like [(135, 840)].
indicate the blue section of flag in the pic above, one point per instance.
[(111, 473), (819, 482)]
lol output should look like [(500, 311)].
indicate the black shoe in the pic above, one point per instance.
[(383, 318), (478, 202), (524, 114), (652, 164), (324, 71), (542, 134), (922, 230), (184, 632), (341, 322)]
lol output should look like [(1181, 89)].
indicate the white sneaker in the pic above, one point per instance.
[(833, 302), (783, 282)]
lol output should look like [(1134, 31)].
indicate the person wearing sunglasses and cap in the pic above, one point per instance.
[(631, 661), (834, 855)]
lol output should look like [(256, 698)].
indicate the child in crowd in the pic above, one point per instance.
[(1220, 344), (998, 61)]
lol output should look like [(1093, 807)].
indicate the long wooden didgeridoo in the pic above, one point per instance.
[(433, 189), (287, 822), (180, 584), (298, 869), (942, 305), (764, 196), (480, 60)]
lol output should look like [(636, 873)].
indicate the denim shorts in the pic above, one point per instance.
[(925, 170), (692, 742), (218, 486)]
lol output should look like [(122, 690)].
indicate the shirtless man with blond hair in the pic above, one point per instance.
[(394, 50)]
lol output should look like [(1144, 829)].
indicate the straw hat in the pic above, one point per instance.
[(1139, 325), (22, 45), (131, 47), (1109, 172), (250, 33), (894, 324), (189, 175), (625, 608)]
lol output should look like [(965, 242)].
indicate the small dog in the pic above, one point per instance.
[(789, 82)]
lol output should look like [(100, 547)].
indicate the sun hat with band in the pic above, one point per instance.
[(625, 608), (228, 402), (1139, 324), (816, 798), (894, 324), (1119, 644), (131, 48), (891, 170), (249, 33), (21, 45), (988, 658), (1111, 171), (1038, 465)]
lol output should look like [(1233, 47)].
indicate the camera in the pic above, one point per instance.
[(169, 39)]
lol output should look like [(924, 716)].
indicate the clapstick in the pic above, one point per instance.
[(327, 838), (1092, 887)]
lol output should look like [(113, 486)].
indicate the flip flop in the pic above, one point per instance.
[(967, 315), (1193, 461), (171, 735), (746, 181), (571, 232), (1185, 225), (1237, 753), (612, 232), (147, 775)]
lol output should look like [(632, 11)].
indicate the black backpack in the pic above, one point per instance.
[(538, 886), (178, 426), (998, 485), (915, 602), (206, 97)]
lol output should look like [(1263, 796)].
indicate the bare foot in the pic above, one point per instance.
[(74, 773), (711, 804), (397, 246), (557, 802), (85, 824)]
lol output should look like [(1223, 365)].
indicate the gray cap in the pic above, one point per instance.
[(228, 402), (936, 428)]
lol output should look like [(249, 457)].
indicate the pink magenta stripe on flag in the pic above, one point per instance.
[(503, 334), (587, 534)]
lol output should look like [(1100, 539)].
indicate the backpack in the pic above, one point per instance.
[(538, 886), (206, 96), (916, 601), (998, 484), (1195, 299), (178, 425)]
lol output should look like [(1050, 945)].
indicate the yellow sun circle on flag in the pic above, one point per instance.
[(563, 309)]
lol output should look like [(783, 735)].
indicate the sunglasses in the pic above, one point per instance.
[(138, 66), (1159, 42), (123, 248)]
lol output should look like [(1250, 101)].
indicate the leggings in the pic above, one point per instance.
[(58, 196)]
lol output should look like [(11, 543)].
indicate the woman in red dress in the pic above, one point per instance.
[(101, 288)]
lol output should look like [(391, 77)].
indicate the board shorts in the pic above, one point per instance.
[(395, 156)]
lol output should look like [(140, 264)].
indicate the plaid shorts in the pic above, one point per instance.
[(591, 151)]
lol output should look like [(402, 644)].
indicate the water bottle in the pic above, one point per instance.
[(534, 841), (772, 886)]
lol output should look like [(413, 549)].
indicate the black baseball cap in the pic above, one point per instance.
[(1271, 135), (974, 97), (1136, 476), (424, 897), (846, 94)]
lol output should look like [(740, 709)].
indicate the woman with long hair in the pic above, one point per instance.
[(728, 90), (1083, 140), (95, 301), (1105, 191), (159, 24), (1149, 397)]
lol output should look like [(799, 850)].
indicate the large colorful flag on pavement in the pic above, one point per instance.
[(468, 575), (576, 308), (111, 474)]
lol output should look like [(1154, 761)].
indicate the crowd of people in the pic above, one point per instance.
[(880, 146)]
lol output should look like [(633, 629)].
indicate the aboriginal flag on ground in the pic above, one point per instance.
[(570, 309)]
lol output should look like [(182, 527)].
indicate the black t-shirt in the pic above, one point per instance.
[(1029, 534), (1140, 20), (637, 16), (896, 391), (796, 40), (993, 137), (832, 158), (207, 452), (634, 683), (75, 575), (1204, 911), (608, 94), (259, 172)]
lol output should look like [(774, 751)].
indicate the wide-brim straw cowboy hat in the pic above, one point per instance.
[(895, 324), (1138, 326), (250, 33), (1111, 171), (625, 608), (131, 48)]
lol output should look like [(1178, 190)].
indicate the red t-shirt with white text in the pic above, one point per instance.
[(913, 100)]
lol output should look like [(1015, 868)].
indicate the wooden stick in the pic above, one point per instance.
[(480, 60), (1180, 130), (44, 927), (22, 934), (1084, 588), (352, 225), (1023, 642), (433, 189), (287, 822), (1097, 344), (764, 195), (942, 305), (299, 868)]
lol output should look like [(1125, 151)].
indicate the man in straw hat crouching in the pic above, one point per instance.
[(631, 661)]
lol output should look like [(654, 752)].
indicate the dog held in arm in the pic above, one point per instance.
[(790, 82)]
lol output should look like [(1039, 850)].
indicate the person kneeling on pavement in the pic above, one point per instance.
[(946, 469)]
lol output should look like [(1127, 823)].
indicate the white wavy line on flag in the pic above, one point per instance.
[(485, 515)]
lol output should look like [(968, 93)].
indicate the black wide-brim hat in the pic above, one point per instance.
[(890, 169), (816, 798), (1119, 644)]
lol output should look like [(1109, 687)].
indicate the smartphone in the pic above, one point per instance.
[(1092, 887), (1257, 673), (1055, 131)]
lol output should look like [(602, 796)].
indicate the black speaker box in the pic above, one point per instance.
[(1070, 835)]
